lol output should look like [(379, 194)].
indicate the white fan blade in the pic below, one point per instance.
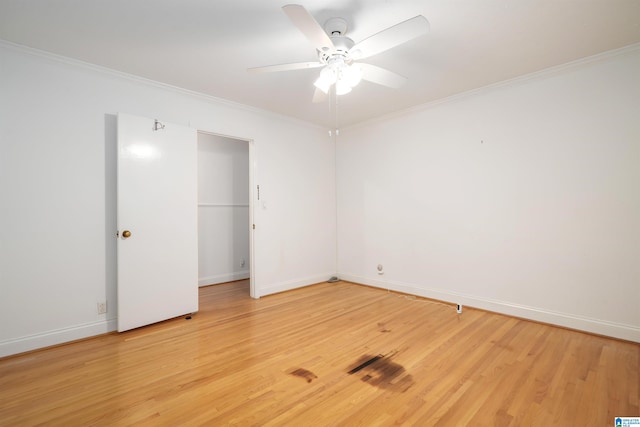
[(285, 67), (391, 37), (381, 76), (318, 96), (302, 19)]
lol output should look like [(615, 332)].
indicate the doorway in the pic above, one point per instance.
[(224, 210)]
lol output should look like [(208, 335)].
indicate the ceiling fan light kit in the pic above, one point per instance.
[(343, 75), (337, 53)]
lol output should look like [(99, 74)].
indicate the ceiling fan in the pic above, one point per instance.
[(339, 55)]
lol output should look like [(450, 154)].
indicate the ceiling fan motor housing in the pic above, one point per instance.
[(336, 29), (342, 45)]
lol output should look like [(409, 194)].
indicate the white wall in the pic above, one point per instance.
[(223, 209), (57, 189), (522, 198), (539, 220)]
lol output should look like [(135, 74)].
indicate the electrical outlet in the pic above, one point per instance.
[(102, 307), (242, 263)]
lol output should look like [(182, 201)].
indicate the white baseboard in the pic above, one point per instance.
[(596, 326), (581, 323), (59, 336), (274, 288), (223, 278)]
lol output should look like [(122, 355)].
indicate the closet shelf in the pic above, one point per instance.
[(221, 205)]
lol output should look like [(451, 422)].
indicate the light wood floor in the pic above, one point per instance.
[(285, 360)]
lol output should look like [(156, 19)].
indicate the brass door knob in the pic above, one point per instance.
[(126, 234)]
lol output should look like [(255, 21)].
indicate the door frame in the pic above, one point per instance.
[(252, 194)]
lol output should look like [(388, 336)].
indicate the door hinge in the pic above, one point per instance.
[(258, 192), (254, 226)]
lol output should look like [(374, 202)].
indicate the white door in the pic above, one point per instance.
[(157, 221)]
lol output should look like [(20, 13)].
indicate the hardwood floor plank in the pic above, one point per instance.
[(285, 360)]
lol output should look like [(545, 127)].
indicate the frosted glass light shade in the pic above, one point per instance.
[(328, 76), (352, 75), (342, 87), (322, 85)]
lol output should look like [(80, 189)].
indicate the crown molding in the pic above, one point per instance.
[(545, 73), (153, 83)]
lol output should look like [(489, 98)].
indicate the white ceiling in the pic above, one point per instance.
[(207, 45)]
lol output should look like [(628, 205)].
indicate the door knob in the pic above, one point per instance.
[(126, 234)]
